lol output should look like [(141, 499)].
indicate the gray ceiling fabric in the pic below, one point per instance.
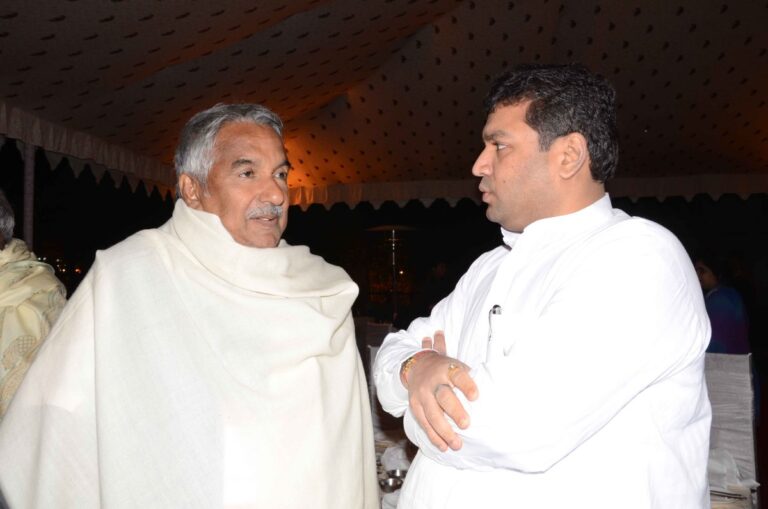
[(382, 98)]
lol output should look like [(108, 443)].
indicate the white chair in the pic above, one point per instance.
[(729, 382)]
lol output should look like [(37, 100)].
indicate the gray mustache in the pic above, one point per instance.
[(265, 211)]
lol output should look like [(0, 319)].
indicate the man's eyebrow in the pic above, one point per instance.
[(243, 161), (285, 163), (492, 135)]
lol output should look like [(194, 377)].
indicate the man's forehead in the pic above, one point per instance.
[(504, 117), (248, 136)]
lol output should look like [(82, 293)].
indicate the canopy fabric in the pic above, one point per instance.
[(100, 156), (382, 99), (82, 148)]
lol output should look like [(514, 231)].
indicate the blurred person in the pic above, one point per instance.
[(725, 307), (31, 298), (205, 363), (566, 368)]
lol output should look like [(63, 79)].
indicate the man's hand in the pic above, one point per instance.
[(430, 382)]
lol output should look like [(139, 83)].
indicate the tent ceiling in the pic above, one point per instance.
[(382, 97)]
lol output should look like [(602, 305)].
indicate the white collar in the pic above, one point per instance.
[(557, 227)]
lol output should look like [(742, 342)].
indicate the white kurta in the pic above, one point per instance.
[(592, 391), (190, 371)]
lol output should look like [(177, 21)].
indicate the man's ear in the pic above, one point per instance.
[(574, 155), (191, 190)]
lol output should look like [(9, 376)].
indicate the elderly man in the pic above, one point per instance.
[(570, 370), (205, 363), (31, 299)]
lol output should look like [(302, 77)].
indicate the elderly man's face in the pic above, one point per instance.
[(248, 179)]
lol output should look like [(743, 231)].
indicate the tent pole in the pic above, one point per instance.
[(29, 193)]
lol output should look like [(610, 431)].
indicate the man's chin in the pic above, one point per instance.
[(260, 239), (262, 243)]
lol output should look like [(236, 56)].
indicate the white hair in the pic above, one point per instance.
[(194, 153)]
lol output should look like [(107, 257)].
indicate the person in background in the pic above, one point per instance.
[(566, 368), (725, 307), (203, 364), (31, 299)]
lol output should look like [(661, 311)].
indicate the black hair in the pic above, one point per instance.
[(564, 99)]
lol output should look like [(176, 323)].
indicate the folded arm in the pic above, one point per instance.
[(605, 337), (427, 386)]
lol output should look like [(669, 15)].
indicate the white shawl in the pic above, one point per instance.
[(190, 371)]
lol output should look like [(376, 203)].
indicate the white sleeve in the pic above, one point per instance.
[(615, 327)]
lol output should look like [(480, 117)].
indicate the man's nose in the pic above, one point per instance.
[(273, 191), (482, 163)]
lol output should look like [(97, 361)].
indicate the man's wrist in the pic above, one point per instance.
[(408, 363)]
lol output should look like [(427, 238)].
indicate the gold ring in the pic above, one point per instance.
[(452, 368)]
